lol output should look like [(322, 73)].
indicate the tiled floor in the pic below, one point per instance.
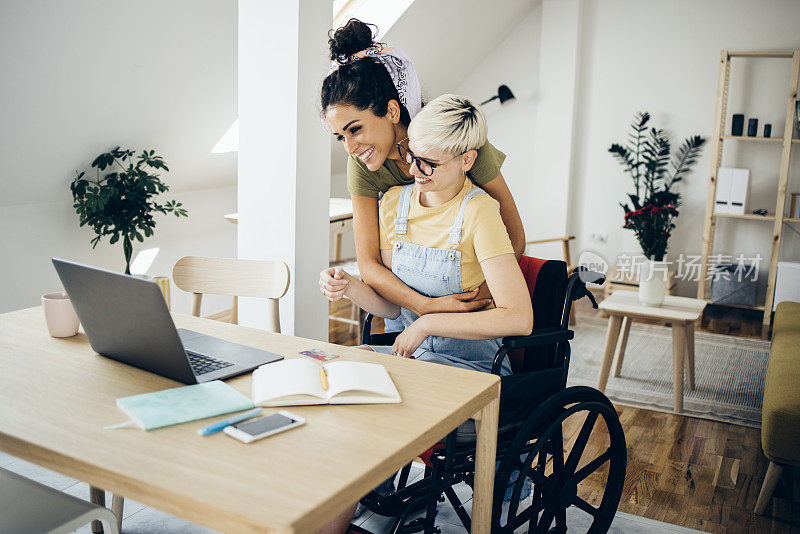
[(141, 519)]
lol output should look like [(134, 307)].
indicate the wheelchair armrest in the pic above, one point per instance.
[(541, 336), (368, 338), (382, 339)]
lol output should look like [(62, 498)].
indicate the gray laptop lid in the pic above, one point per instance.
[(126, 319)]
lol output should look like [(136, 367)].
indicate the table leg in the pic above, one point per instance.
[(486, 454), (117, 506), (337, 247), (614, 323), (690, 355), (619, 354), (97, 496), (678, 348)]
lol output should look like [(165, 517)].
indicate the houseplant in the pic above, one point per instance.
[(121, 204), (653, 204)]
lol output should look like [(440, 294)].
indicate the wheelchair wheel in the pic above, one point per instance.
[(561, 472)]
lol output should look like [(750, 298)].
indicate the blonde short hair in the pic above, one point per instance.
[(451, 124)]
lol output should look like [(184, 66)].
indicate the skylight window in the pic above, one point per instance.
[(381, 13)]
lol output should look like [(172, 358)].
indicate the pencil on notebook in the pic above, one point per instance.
[(323, 377)]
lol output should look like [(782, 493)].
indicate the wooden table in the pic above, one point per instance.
[(680, 313), (340, 212), (56, 395)]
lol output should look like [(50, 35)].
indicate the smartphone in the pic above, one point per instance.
[(261, 427)]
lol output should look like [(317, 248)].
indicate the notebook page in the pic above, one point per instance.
[(290, 378), (356, 377)]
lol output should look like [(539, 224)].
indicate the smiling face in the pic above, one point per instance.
[(367, 136), (447, 177)]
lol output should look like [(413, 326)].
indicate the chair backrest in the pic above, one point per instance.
[(28, 506), (547, 286), (230, 276)]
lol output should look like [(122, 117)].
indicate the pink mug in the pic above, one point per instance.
[(62, 321)]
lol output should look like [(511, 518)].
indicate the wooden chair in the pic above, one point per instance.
[(27, 506), (238, 278)]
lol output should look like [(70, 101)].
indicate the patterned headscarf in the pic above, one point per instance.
[(400, 69)]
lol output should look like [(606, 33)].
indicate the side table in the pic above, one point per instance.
[(680, 313)]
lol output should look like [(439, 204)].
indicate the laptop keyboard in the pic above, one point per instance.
[(203, 364)]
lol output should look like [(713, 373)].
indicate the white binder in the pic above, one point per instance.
[(722, 202), (739, 188)]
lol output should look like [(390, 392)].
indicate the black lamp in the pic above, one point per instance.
[(504, 94)]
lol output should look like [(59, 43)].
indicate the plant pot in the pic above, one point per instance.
[(653, 283)]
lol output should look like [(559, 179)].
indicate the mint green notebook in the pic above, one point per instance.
[(179, 405)]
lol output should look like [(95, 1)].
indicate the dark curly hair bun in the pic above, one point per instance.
[(353, 37)]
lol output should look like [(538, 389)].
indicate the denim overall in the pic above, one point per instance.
[(436, 272)]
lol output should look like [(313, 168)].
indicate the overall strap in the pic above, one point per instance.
[(401, 219), (455, 231)]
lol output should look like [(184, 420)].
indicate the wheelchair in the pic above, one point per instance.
[(535, 406)]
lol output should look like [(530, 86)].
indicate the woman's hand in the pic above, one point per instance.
[(333, 283), (410, 339), (458, 302), (483, 292)]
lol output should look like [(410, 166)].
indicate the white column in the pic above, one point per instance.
[(284, 155), (554, 136)]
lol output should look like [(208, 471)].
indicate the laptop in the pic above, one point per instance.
[(126, 319)]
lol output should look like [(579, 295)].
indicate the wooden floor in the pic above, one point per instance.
[(685, 471)]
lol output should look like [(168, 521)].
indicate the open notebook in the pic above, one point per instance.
[(297, 381)]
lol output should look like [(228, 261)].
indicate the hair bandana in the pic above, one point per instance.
[(400, 69)]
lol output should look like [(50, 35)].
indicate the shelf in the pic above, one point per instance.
[(754, 217), (766, 53), (787, 142), (737, 306), (751, 216), (761, 139)]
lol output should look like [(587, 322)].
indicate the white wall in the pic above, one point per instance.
[(31, 234), (632, 55), (514, 61), (663, 57), (84, 76)]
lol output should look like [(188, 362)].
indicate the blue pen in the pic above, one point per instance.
[(219, 425)]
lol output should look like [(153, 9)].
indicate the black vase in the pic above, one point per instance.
[(767, 130), (737, 124), (752, 127)]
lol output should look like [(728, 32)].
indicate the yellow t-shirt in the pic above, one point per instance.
[(483, 235)]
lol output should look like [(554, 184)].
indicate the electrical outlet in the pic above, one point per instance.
[(598, 237)]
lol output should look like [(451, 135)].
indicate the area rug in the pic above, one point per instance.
[(729, 371)]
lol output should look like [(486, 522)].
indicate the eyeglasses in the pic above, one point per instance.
[(425, 167)]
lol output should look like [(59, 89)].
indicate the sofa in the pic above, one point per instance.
[(780, 420)]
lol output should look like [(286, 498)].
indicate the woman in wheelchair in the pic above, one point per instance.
[(442, 235)]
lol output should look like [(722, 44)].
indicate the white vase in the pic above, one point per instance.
[(653, 282)]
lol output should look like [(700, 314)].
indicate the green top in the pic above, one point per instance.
[(364, 182)]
